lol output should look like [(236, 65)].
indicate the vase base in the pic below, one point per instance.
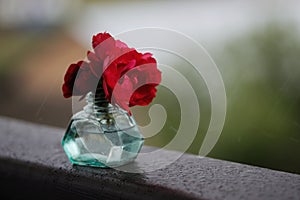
[(86, 145), (92, 160)]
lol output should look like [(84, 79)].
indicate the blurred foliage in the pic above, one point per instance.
[(16, 45), (263, 119), (261, 73)]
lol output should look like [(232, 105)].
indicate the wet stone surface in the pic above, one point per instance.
[(33, 164)]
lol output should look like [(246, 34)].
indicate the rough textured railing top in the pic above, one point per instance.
[(33, 164)]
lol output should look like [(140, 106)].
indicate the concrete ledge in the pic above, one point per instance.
[(33, 164)]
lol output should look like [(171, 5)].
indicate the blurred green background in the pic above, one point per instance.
[(256, 46)]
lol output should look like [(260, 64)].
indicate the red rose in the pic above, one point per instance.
[(78, 80), (103, 44), (132, 74), (128, 77), (69, 79)]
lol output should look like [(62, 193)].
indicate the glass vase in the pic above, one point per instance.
[(102, 135)]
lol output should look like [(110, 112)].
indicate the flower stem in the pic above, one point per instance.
[(102, 104), (99, 98)]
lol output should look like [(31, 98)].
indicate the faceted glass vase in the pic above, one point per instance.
[(102, 135)]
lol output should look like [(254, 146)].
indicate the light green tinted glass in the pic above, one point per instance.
[(102, 137)]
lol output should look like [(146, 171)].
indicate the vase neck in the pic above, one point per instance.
[(97, 103), (99, 98)]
